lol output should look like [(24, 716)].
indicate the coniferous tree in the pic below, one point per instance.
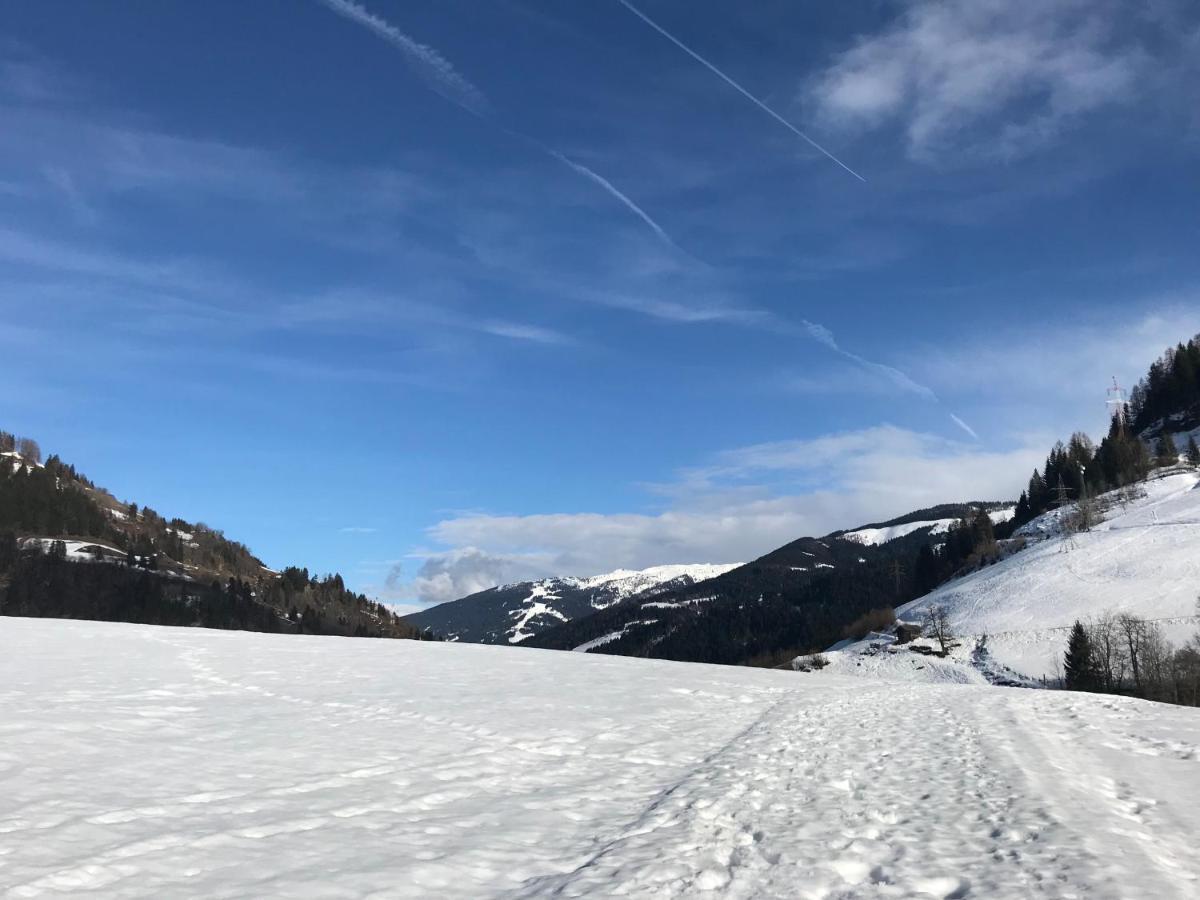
[(1039, 495), (1078, 663), (1167, 454), (1022, 514), (1193, 451)]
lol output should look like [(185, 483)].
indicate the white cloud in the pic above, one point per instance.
[(995, 76), (462, 572)]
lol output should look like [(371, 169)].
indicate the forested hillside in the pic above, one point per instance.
[(69, 549), (1168, 397), (1156, 428)]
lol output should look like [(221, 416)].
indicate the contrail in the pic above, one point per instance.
[(737, 87), (428, 63), (613, 191), (444, 79), (964, 426), (823, 335)]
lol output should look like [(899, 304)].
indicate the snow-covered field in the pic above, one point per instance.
[(150, 762), (1143, 559)]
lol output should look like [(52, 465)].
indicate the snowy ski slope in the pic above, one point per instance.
[(149, 762), (1144, 559)]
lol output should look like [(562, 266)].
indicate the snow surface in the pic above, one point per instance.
[(627, 582), (873, 537), (82, 551), (17, 461), (535, 606), (138, 761), (1143, 559), (881, 656)]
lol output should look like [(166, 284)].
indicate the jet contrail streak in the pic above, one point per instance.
[(964, 426), (823, 335), (737, 87), (617, 194), (429, 64), (441, 75)]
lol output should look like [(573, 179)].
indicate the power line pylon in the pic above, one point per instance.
[(1117, 403), (1060, 493)]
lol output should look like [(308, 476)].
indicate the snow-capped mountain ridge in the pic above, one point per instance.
[(513, 613)]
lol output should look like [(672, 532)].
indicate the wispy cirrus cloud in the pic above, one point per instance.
[(519, 332)]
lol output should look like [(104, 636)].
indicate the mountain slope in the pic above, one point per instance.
[(69, 549), (1144, 558), (512, 613), (800, 596), (222, 764)]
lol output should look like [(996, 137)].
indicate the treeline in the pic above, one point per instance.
[(1125, 654), (1170, 388)]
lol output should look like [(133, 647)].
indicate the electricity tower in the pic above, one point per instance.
[(1119, 406)]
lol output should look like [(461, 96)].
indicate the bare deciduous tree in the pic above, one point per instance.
[(1108, 652), (29, 450), (937, 626), (1133, 633)]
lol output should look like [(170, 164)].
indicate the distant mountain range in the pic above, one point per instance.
[(800, 596), (513, 613), (788, 599)]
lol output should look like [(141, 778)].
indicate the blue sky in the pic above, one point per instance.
[(439, 294)]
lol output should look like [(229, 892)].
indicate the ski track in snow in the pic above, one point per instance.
[(153, 762)]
